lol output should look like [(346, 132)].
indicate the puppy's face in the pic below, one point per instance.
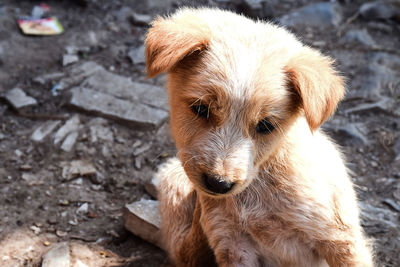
[(234, 96), (228, 117)]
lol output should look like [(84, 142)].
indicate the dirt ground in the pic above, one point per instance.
[(41, 206)]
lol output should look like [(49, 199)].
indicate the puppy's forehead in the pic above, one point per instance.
[(247, 69)]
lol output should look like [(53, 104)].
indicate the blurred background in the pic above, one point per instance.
[(82, 130)]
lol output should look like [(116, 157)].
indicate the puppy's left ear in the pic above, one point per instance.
[(169, 40), (319, 86)]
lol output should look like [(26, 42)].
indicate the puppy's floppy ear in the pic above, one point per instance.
[(319, 86), (171, 39)]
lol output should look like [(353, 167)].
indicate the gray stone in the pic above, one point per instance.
[(74, 50), (384, 106), (44, 130), (58, 256), (324, 14), (124, 88), (69, 141), (137, 55), (18, 98), (371, 216), (381, 10), (348, 135), (257, 8), (133, 113), (392, 204), (70, 125), (69, 59), (83, 209), (151, 188), (359, 37), (99, 130), (2, 136), (79, 73), (143, 219), (140, 150), (396, 149), (140, 19)]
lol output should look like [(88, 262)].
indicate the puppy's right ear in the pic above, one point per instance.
[(169, 40)]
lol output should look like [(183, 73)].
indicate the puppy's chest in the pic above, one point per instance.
[(261, 220)]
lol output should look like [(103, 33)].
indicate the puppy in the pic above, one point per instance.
[(256, 183)]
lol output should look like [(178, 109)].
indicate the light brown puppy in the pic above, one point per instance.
[(256, 183)]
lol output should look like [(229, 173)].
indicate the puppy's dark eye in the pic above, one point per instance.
[(265, 127), (201, 110)]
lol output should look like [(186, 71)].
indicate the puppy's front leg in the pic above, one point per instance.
[(231, 247)]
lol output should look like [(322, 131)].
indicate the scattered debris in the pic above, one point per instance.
[(60, 233), (140, 150), (69, 141), (77, 168), (143, 219), (18, 98), (58, 255), (70, 125), (69, 59), (43, 79), (83, 209), (36, 230), (45, 26), (44, 130)]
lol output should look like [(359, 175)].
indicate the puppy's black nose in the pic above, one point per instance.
[(216, 184)]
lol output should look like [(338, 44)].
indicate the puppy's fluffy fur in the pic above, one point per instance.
[(292, 203)]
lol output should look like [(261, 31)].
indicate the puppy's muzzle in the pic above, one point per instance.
[(217, 184)]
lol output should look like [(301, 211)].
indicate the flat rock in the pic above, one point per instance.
[(320, 15), (143, 219), (58, 256), (44, 130), (133, 113), (18, 98), (124, 88)]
